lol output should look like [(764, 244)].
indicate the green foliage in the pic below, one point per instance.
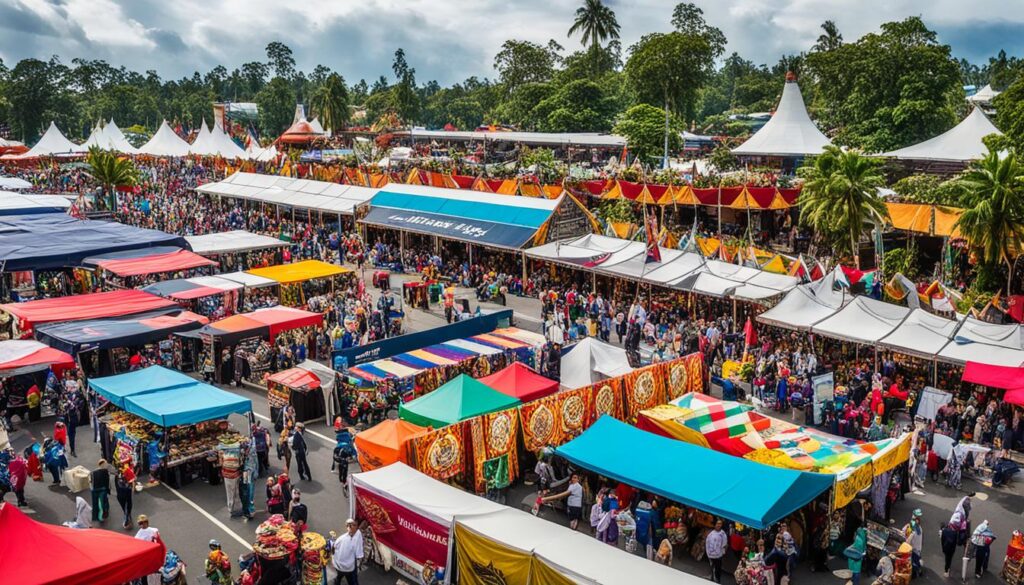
[(643, 126), (276, 103), (722, 159), (888, 89), (546, 167), (904, 260), (839, 200), (111, 171), (1010, 112), (979, 293), (578, 106), (930, 189), (616, 210), (595, 22), (522, 62), (688, 19), (668, 70), (330, 103)]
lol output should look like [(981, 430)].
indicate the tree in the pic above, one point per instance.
[(330, 103), (643, 127), (521, 62), (1010, 112), (280, 59), (255, 75), (688, 19), (276, 103), (887, 89), (111, 171), (404, 97), (30, 90), (595, 22), (517, 109), (993, 222), (578, 106), (840, 200), (830, 38)]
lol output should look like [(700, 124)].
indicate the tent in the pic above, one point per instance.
[(961, 143), (116, 303), (184, 289), (168, 398), (165, 143), (299, 271), (57, 240), (984, 96), (92, 556), (109, 137), (23, 356), (78, 336), (247, 280), (864, 320), (327, 379), (231, 242), (460, 399), (201, 144), (921, 334), (265, 323), (29, 204), (985, 343), (789, 132), (299, 133), (148, 261), (736, 489), (12, 147), (231, 330), (1006, 377), (520, 381), (384, 443), (53, 143), (296, 193), (532, 551), (13, 183), (215, 142), (591, 361)]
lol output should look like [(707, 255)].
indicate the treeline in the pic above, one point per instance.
[(890, 88)]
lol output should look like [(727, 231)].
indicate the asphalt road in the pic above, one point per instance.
[(188, 518)]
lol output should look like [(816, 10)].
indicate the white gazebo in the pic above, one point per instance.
[(165, 143), (54, 143), (789, 133), (960, 144)]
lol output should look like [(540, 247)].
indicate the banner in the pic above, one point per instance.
[(685, 375), (892, 456), (846, 489), (605, 398), (420, 540), (441, 453), (501, 439), (644, 388), (540, 422), (824, 391), (483, 561), (573, 409)]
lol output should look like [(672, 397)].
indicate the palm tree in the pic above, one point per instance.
[(839, 200), (830, 38), (596, 23), (111, 172), (994, 219), (330, 103)]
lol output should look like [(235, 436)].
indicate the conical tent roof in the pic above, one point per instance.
[(790, 132), (53, 143), (299, 133), (520, 381), (961, 143), (165, 143), (201, 145), (95, 139), (222, 145), (116, 138), (984, 95), (458, 400), (316, 126)]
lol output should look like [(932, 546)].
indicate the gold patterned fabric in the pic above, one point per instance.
[(644, 388), (441, 454), (500, 430), (605, 398), (540, 423), (478, 448)]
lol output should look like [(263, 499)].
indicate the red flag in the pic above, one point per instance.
[(749, 333)]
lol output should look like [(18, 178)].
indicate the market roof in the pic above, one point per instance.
[(299, 133), (109, 137), (986, 343), (168, 398), (789, 132), (216, 142), (57, 240), (248, 280), (53, 143), (23, 356), (261, 323), (591, 361), (231, 242), (800, 309), (520, 381), (90, 306), (296, 378), (145, 261), (460, 399), (922, 334), (14, 182), (72, 556), (302, 193), (470, 216), (79, 336), (984, 95), (299, 271), (961, 143), (165, 143), (544, 138), (864, 320), (192, 288), (755, 495), (384, 443), (29, 204)]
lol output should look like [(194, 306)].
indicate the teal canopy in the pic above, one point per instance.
[(734, 488), (168, 398), (458, 400)]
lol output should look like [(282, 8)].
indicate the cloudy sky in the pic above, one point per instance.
[(447, 40)]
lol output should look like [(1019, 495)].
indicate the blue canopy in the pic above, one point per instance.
[(167, 397), (56, 240), (734, 488)]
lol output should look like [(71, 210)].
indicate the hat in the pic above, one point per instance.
[(142, 518), (905, 549), (917, 513), (214, 543), (349, 521)]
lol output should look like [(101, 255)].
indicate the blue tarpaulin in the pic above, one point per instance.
[(168, 398), (56, 240), (734, 488)]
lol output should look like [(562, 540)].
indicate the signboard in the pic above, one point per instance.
[(568, 221), (824, 391), (484, 232), (416, 540)]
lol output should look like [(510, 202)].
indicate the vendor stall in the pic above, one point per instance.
[(81, 307), (302, 280), (521, 381), (458, 400), (238, 249), (300, 388), (168, 422), (25, 364), (591, 361), (129, 268), (386, 443)]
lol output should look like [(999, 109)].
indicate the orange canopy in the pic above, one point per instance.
[(300, 133), (384, 444)]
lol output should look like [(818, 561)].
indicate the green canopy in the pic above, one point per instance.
[(458, 400)]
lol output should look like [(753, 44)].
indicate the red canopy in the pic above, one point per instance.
[(21, 356), (116, 303), (33, 552), (520, 381), (300, 133), (284, 319), (155, 263), (1006, 377), (296, 378)]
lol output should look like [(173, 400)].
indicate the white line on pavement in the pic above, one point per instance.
[(210, 517), (324, 438)]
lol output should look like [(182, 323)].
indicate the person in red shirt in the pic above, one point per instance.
[(895, 398)]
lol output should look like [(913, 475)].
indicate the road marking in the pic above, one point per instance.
[(324, 438), (245, 543)]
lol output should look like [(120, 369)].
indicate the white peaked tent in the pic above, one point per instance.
[(591, 361), (983, 96), (165, 143), (94, 141), (961, 143), (790, 132), (53, 143), (109, 137), (201, 145), (317, 126), (222, 145), (256, 153)]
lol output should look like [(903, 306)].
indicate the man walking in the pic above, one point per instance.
[(299, 449), (348, 551), (715, 546), (261, 437), (250, 468), (231, 471), (100, 482)]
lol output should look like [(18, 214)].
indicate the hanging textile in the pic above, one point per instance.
[(606, 398), (478, 449), (441, 453), (573, 408), (644, 388), (501, 440), (540, 422)]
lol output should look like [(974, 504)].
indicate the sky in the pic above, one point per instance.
[(446, 40)]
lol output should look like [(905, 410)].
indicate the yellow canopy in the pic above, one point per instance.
[(299, 271), (924, 219)]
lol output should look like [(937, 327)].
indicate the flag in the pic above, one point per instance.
[(625, 155), (749, 333), (653, 252), (817, 273)]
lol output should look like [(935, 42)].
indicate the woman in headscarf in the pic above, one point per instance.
[(855, 554), (83, 514), (949, 538), (953, 467)]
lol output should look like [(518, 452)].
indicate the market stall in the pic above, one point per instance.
[(25, 363), (118, 303), (238, 249), (305, 387), (301, 280), (168, 422), (129, 268), (591, 361), (205, 295), (385, 443), (520, 381), (460, 399)]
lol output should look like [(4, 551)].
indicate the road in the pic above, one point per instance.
[(188, 518)]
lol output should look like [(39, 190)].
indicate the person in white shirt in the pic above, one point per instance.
[(149, 534), (573, 500), (348, 551), (715, 546)]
